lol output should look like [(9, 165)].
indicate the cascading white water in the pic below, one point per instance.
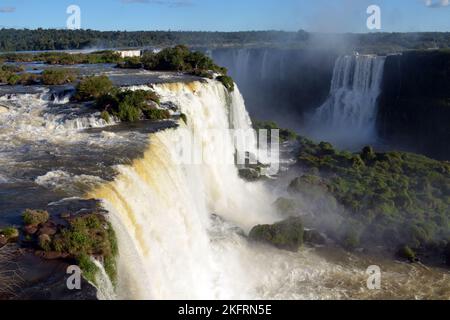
[(161, 208), (180, 227), (348, 117)]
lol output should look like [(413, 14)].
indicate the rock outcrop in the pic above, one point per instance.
[(286, 235), (414, 107)]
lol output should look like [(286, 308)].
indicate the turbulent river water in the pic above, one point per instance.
[(181, 226)]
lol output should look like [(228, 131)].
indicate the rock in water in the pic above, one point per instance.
[(286, 235), (314, 237)]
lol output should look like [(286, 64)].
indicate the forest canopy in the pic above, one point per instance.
[(58, 39)]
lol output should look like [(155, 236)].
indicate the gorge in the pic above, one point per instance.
[(183, 228), (413, 89)]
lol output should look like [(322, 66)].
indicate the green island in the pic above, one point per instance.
[(69, 236), (178, 58)]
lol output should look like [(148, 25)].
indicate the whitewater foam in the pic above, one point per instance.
[(348, 117)]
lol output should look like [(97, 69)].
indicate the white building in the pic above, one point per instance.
[(129, 53)]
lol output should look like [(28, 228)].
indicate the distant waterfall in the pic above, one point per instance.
[(348, 117)]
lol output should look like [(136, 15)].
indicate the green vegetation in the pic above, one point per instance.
[(10, 232), (156, 114), (127, 105), (14, 75), (35, 217), (64, 58), (86, 236), (80, 237), (28, 79), (180, 58), (105, 116), (392, 198), (93, 87), (287, 235), (12, 68), (88, 267), (407, 253), (184, 118), (55, 39), (285, 134), (58, 76), (131, 63), (227, 81)]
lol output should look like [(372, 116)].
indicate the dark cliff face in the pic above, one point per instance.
[(414, 108), (280, 84)]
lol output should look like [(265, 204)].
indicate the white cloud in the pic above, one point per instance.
[(437, 3), (7, 9)]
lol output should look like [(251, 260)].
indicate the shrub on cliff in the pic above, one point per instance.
[(227, 82), (58, 76), (156, 114), (93, 87), (86, 236)]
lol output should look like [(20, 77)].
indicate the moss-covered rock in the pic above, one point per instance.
[(287, 235), (250, 174)]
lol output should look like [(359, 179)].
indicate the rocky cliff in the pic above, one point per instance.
[(414, 108)]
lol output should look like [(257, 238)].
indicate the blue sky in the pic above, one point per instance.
[(229, 15)]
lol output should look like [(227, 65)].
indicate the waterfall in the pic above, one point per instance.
[(348, 117), (171, 216)]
